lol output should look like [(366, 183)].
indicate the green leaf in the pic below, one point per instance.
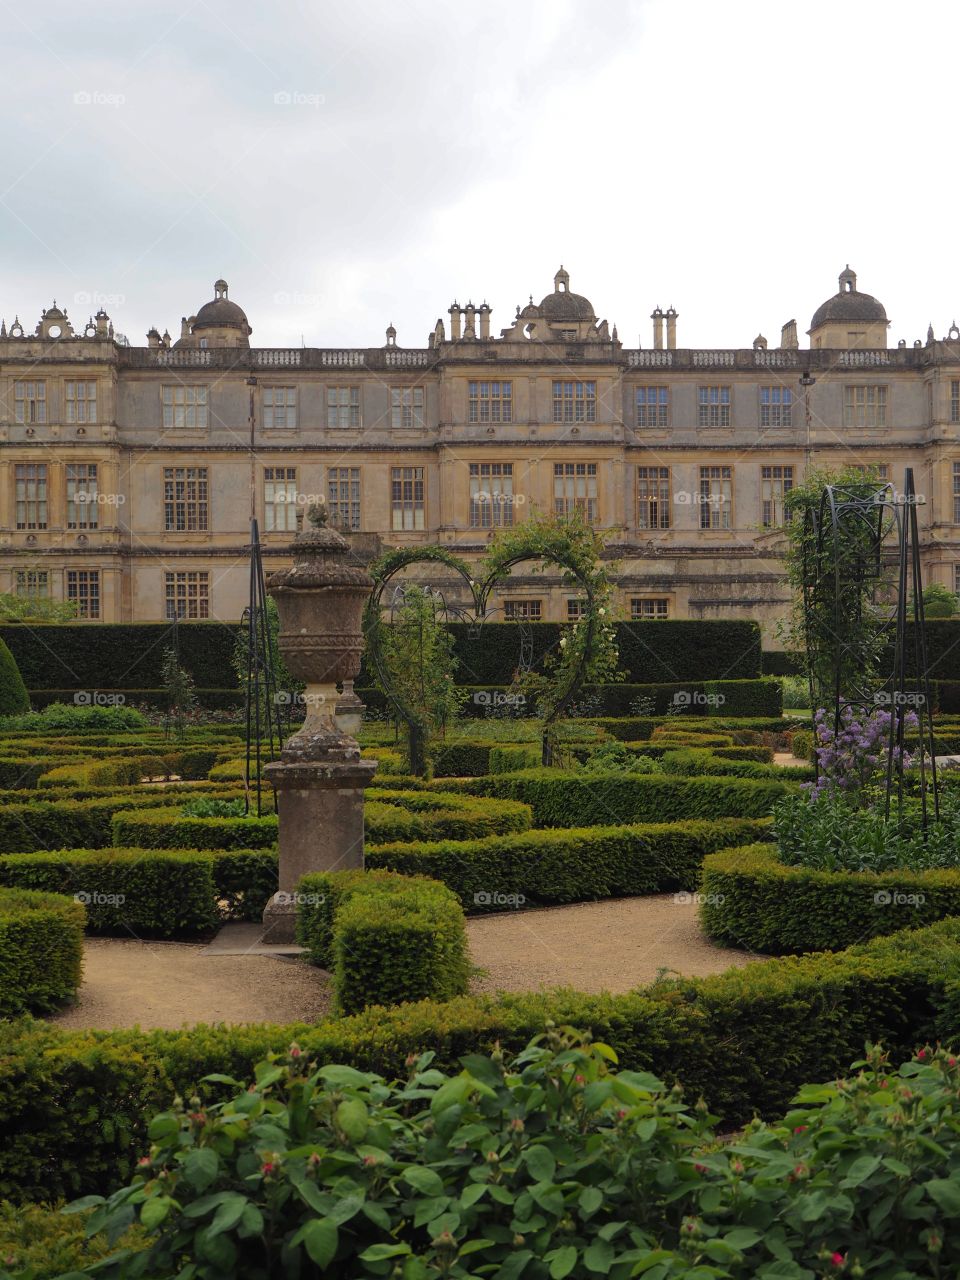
[(414, 1269), (83, 1204), (342, 1077), (353, 1119), (482, 1069), (815, 1205), (228, 1215), (426, 1181), (154, 1211), (251, 1221), (319, 1237), (562, 1262), (591, 1198), (742, 1237), (200, 1167), (541, 1163), (473, 1246), (217, 1078), (450, 1094), (345, 1209), (861, 1170), (946, 1192), (163, 1126), (377, 1252), (599, 1256), (472, 1193)]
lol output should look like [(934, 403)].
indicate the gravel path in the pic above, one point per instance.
[(127, 983), (613, 945)]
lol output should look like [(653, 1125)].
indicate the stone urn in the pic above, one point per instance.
[(319, 778), (320, 601)]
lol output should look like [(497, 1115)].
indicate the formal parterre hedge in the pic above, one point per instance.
[(150, 892), (75, 1106), (41, 949), (388, 815), (562, 799), (550, 867), (751, 899), (387, 938)]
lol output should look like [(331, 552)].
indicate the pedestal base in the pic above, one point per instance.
[(320, 809)]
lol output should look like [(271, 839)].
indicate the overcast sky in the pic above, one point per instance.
[(347, 165)]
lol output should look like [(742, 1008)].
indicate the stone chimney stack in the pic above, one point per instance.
[(455, 322), (485, 310), (788, 336), (671, 316), (469, 328), (657, 318), (153, 339)]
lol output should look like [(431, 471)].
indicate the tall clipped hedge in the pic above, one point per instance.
[(13, 692), (121, 655), (129, 655)]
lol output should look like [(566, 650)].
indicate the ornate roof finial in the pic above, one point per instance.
[(317, 514)]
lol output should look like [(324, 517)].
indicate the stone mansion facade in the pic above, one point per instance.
[(128, 474)]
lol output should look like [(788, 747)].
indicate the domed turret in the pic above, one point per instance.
[(562, 305), (850, 318), (218, 323)]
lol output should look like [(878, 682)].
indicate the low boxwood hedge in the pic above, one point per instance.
[(160, 893), (388, 815), (745, 1040), (387, 938), (510, 759), (563, 799), (460, 759), (576, 865), (744, 697), (751, 899), (78, 823), (41, 950)]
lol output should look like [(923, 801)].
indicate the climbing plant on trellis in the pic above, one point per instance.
[(587, 651)]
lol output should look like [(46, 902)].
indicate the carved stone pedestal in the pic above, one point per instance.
[(320, 803), (319, 777)]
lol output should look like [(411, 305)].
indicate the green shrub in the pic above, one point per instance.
[(43, 1243), (387, 938), (563, 799), (21, 772), (616, 757), (14, 699), (460, 759), (709, 762), (745, 1040), (752, 900), (125, 891), (743, 697), (510, 759), (801, 744), (553, 1163), (761, 755), (690, 738), (41, 948), (551, 867), (70, 718)]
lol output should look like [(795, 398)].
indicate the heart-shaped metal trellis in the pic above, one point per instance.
[(394, 562)]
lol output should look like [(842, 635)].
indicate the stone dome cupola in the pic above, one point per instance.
[(562, 306), (849, 319), (218, 323)]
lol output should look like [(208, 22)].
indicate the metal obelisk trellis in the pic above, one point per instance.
[(262, 704), (865, 534)]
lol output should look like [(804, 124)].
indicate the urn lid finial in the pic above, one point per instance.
[(317, 514)]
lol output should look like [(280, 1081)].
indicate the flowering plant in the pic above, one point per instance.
[(852, 759)]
